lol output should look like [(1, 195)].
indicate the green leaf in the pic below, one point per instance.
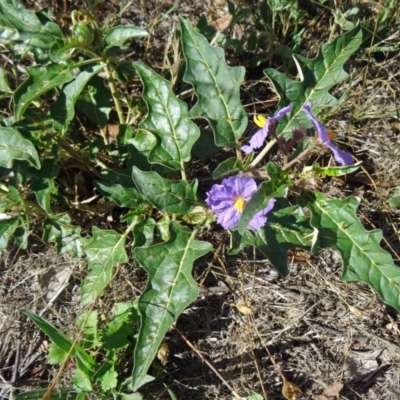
[(124, 197), (105, 249), (43, 183), (41, 80), (216, 85), (167, 120), (14, 147), (118, 35), (143, 233), (336, 226), (172, 197), (170, 289), (81, 382), (95, 101), (332, 171), (7, 229), (107, 376), (117, 333), (84, 361), (55, 354), (63, 110), (57, 394), (229, 166), (318, 76), (67, 237), (22, 30), (4, 86), (275, 188), (286, 228), (89, 324)]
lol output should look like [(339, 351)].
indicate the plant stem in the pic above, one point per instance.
[(263, 153), (114, 95)]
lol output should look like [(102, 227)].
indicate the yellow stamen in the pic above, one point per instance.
[(260, 121), (239, 203)]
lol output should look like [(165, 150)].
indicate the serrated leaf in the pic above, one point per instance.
[(14, 147), (229, 166), (67, 237), (55, 354), (123, 196), (336, 226), (63, 110), (107, 376), (216, 85), (167, 120), (21, 30), (85, 361), (105, 249), (117, 333), (317, 75), (286, 228), (81, 382), (170, 289), (41, 80), (172, 197), (7, 229), (118, 35), (95, 101)]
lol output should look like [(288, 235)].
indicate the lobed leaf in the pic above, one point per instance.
[(95, 101), (318, 76), (22, 30), (118, 35), (286, 228), (167, 120), (67, 237), (41, 79), (123, 196), (105, 249), (216, 85), (63, 110), (14, 147), (172, 197), (336, 226), (228, 166), (170, 288)]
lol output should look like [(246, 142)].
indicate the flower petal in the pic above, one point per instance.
[(322, 133), (260, 218), (341, 157), (259, 137), (245, 187), (229, 219)]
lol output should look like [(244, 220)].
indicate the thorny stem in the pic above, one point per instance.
[(295, 160), (114, 95)]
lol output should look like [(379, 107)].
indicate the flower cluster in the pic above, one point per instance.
[(229, 199)]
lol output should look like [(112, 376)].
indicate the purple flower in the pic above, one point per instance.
[(229, 199), (341, 157), (266, 125)]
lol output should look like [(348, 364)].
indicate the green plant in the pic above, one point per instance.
[(145, 171)]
